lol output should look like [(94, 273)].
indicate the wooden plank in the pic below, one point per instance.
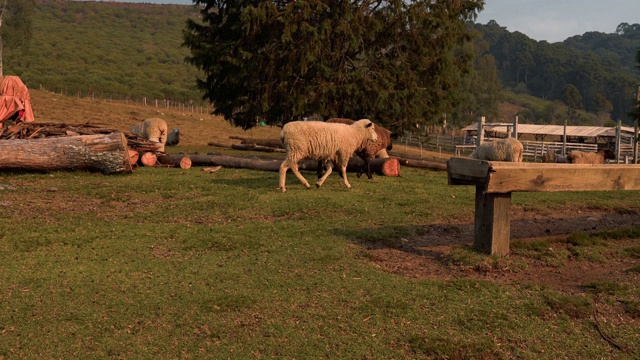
[(509, 177), (465, 171), (492, 226)]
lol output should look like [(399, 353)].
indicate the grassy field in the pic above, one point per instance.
[(169, 263)]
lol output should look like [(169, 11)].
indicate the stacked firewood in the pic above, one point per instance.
[(35, 130)]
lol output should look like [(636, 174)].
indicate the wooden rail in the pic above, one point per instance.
[(495, 181)]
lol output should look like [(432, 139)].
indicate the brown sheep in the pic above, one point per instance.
[(377, 149), (583, 157)]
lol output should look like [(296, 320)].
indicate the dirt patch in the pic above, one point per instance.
[(426, 257)]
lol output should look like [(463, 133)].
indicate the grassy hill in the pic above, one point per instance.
[(197, 127), (107, 50)]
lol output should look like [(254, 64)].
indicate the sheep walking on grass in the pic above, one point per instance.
[(509, 149), (582, 157), (328, 142), (370, 150), (154, 129)]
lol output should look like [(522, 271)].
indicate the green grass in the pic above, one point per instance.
[(169, 263)]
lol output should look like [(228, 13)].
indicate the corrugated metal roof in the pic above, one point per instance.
[(554, 130)]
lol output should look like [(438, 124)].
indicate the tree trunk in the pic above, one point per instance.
[(272, 143), (148, 159), (108, 154), (133, 157), (176, 160), (254, 147), (424, 164), (381, 166)]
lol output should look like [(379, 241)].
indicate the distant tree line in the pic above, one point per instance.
[(597, 69)]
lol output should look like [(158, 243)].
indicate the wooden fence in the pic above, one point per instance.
[(533, 150)]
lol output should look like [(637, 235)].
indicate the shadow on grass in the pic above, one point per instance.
[(435, 240)]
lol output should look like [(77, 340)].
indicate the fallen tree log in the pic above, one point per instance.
[(384, 167), (175, 160), (423, 164), (272, 143), (148, 159), (108, 154), (133, 157), (254, 147)]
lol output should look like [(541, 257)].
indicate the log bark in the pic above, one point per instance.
[(271, 143), (176, 160), (423, 164), (381, 166), (108, 154), (254, 147), (386, 167)]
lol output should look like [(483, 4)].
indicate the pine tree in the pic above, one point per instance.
[(395, 62)]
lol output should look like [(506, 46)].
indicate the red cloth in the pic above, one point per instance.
[(14, 97)]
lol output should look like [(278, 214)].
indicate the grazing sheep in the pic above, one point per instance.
[(549, 156), (582, 157), (154, 129), (328, 142), (368, 151), (173, 138), (509, 149)]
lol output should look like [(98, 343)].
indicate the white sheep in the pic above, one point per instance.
[(370, 150), (583, 157), (329, 142), (153, 129), (509, 149)]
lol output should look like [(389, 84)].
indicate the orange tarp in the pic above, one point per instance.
[(14, 96)]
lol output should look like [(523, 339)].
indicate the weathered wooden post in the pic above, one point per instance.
[(635, 130), (617, 149), (515, 127), (480, 134), (564, 139)]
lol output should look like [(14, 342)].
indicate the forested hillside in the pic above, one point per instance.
[(126, 50), (601, 66), (107, 49)]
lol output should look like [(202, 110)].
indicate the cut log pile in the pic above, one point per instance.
[(59, 146)]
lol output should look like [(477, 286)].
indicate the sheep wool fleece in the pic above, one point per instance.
[(318, 140), (153, 129), (509, 149)]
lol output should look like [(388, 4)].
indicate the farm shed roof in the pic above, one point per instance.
[(553, 130)]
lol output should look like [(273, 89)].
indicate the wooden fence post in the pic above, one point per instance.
[(480, 135)]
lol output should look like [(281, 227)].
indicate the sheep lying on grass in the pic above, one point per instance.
[(154, 129), (370, 150), (509, 149), (582, 157), (329, 142)]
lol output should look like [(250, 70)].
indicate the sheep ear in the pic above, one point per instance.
[(369, 125)]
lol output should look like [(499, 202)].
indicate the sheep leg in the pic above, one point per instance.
[(283, 174), (326, 174), (320, 169), (343, 169), (296, 172), (367, 165)]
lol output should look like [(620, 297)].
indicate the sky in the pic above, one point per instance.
[(557, 20), (550, 20)]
